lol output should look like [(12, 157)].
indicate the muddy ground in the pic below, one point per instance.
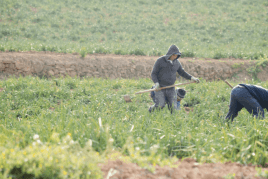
[(187, 168)]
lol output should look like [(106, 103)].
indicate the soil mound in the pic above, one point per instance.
[(119, 66)]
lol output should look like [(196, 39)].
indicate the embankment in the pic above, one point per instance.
[(49, 64)]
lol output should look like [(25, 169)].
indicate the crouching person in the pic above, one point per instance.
[(252, 97), (177, 103)]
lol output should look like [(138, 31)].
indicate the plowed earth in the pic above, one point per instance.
[(187, 168)]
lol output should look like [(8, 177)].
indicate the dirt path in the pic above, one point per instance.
[(187, 169)]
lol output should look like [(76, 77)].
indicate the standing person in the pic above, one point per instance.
[(180, 95), (252, 97), (164, 74)]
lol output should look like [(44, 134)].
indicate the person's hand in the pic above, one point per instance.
[(157, 87), (178, 98), (195, 79)]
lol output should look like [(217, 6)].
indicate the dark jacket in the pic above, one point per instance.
[(259, 93), (164, 72)]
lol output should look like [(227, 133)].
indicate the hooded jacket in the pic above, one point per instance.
[(259, 93), (164, 72)]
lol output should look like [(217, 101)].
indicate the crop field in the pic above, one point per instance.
[(53, 125), (66, 127), (201, 28)]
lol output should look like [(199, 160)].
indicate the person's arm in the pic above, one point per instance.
[(183, 73), (155, 71)]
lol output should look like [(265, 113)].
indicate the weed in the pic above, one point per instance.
[(254, 69), (2, 48), (230, 176), (119, 52), (187, 54), (137, 52), (219, 55), (237, 65), (101, 50), (83, 52)]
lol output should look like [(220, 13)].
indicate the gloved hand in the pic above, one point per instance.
[(195, 79), (157, 86)]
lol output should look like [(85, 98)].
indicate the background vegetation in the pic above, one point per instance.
[(78, 121), (53, 128), (201, 28)]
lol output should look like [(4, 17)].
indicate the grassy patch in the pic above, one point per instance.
[(224, 29), (93, 110)]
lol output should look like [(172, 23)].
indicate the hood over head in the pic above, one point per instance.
[(173, 49)]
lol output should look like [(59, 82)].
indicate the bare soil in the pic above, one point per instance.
[(188, 168), (121, 66)]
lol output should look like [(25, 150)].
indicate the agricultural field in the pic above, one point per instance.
[(55, 126), (201, 28), (67, 127)]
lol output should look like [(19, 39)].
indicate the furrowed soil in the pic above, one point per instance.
[(187, 168)]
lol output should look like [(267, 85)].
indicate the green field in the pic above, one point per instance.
[(82, 120), (62, 128), (200, 28)]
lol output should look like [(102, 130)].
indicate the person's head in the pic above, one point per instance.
[(174, 56), (180, 94)]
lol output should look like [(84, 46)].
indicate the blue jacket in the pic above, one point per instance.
[(259, 93), (164, 72)]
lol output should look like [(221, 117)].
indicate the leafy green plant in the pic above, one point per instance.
[(219, 55), (93, 109), (2, 48), (57, 159), (230, 176), (261, 173), (254, 69), (119, 52), (83, 52), (237, 65), (101, 50), (137, 52), (187, 54)]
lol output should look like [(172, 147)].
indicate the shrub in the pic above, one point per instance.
[(58, 159), (119, 52), (137, 52), (219, 55), (187, 54), (2, 48), (156, 53), (83, 52), (101, 50)]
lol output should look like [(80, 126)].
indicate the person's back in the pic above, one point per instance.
[(259, 93), (252, 97)]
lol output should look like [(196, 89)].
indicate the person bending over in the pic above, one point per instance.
[(252, 97)]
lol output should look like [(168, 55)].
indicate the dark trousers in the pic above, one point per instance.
[(240, 97)]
